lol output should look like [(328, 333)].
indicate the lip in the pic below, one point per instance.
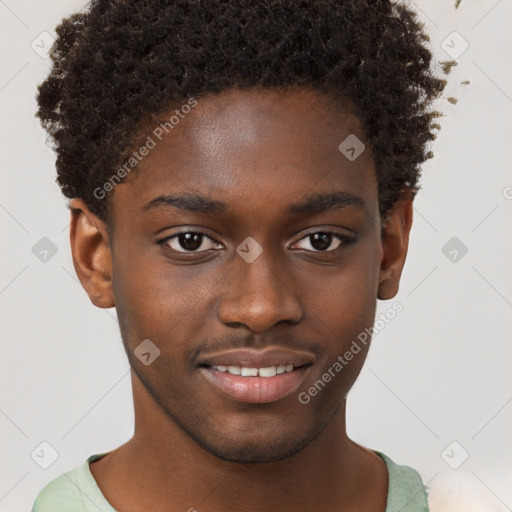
[(256, 390), (250, 358)]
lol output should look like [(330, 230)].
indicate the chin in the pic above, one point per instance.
[(254, 447), (250, 454)]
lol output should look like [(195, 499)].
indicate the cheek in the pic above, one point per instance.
[(346, 295), (161, 301), (344, 310)]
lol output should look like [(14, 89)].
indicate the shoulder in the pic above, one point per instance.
[(73, 491), (60, 494), (406, 491), (461, 492)]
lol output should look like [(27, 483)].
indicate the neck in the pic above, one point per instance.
[(171, 468)]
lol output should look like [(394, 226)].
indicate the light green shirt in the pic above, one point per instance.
[(77, 491)]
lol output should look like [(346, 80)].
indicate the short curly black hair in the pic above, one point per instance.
[(118, 63)]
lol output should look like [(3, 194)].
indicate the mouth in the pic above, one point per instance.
[(266, 372), (256, 377)]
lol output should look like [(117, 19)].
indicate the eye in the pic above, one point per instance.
[(189, 242), (193, 242), (322, 240)]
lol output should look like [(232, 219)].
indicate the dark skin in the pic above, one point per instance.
[(258, 152)]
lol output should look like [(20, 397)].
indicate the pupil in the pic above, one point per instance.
[(321, 240), (190, 241)]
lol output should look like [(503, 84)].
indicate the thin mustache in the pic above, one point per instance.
[(232, 343)]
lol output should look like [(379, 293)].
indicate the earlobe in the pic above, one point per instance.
[(92, 257), (395, 242)]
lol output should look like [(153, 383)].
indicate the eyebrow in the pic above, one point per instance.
[(311, 205)]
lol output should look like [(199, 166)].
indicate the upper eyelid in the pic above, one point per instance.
[(196, 232), (340, 236), (175, 235)]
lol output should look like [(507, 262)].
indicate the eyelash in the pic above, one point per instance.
[(344, 239)]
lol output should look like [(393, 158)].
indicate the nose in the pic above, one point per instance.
[(259, 295)]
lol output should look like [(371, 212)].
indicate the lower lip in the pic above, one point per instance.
[(256, 390)]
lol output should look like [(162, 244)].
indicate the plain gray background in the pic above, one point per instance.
[(439, 373)]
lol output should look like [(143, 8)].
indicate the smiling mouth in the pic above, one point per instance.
[(256, 376), (266, 372), (255, 385)]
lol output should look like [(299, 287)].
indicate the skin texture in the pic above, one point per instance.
[(258, 151)]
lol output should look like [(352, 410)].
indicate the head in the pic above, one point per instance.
[(241, 175)]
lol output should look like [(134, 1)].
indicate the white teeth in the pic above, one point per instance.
[(269, 371), (234, 370), (249, 372)]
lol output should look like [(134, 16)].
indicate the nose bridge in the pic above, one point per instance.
[(260, 274), (259, 293)]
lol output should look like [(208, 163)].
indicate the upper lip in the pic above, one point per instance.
[(250, 358)]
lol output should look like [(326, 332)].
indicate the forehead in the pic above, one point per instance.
[(251, 149)]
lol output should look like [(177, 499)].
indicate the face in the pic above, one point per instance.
[(246, 228)]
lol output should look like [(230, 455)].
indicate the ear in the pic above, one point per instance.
[(395, 242), (92, 258)]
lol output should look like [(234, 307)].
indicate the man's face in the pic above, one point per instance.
[(258, 153)]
